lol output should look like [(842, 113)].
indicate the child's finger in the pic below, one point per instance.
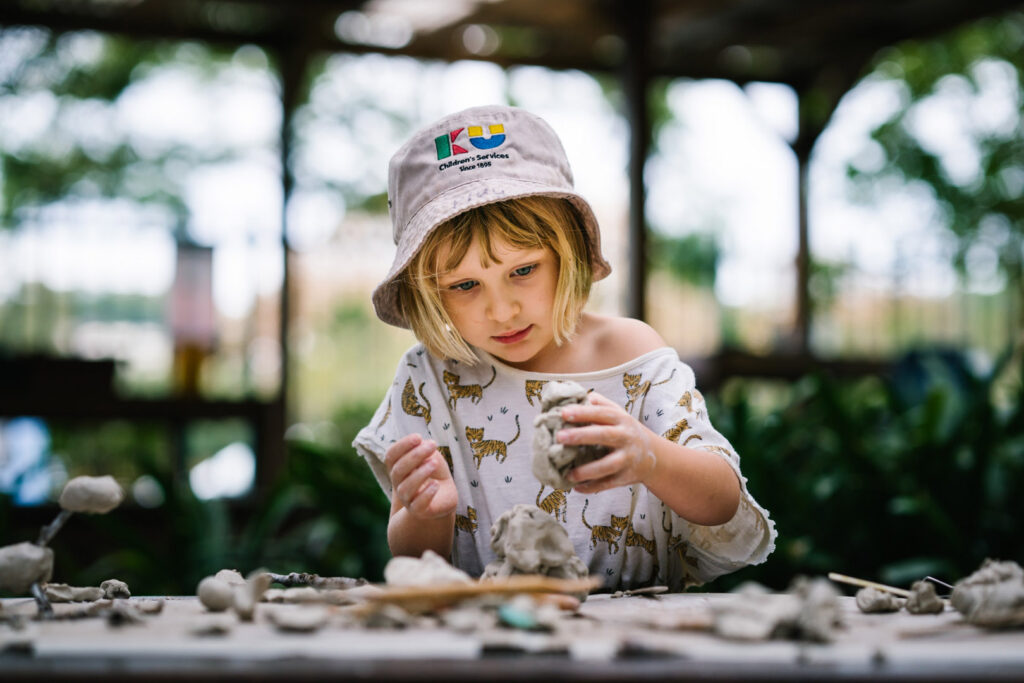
[(607, 466), (598, 414), (400, 448), (411, 484), (411, 460)]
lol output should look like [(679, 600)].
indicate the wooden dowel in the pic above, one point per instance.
[(842, 578)]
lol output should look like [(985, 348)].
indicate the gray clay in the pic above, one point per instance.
[(527, 540), (430, 569), (113, 588), (923, 600), (808, 610), (215, 594), (232, 577), (211, 625), (301, 620), (552, 461), (872, 600), (95, 495), (22, 565), (993, 596), (61, 592), (247, 595)]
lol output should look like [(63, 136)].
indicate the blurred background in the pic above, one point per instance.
[(818, 204)]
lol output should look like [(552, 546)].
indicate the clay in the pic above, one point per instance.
[(113, 588), (22, 565), (993, 596), (215, 594), (923, 599), (427, 570), (316, 581), (303, 620), (247, 595), (872, 600), (151, 606), (61, 592), (211, 625), (552, 461), (808, 610), (94, 495), (527, 540), (232, 577)]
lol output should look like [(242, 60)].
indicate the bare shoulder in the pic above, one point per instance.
[(619, 340)]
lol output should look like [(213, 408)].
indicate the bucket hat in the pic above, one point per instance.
[(465, 160)]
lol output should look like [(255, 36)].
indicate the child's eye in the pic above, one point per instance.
[(463, 286), (524, 270)]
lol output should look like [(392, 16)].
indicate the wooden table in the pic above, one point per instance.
[(631, 638)]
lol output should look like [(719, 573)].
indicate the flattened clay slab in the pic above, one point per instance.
[(23, 564), (552, 461), (61, 592), (95, 495)]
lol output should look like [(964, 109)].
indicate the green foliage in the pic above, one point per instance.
[(988, 207), (692, 259), (886, 478)]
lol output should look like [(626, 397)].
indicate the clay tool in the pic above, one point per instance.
[(416, 598), (853, 581)]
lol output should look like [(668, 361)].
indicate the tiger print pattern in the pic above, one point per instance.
[(466, 522), (484, 447), (675, 431), (605, 533), (411, 405), (637, 390), (474, 392), (554, 503), (533, 389)]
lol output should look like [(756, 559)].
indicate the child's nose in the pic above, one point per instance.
[(502, 307)]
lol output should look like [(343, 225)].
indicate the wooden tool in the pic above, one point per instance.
[(423, 598), (842, 578)]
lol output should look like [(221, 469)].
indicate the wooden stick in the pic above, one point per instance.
[(842, 578)]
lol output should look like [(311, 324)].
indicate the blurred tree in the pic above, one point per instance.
[(979, 187)]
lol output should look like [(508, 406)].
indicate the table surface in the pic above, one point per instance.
[(628, 638)]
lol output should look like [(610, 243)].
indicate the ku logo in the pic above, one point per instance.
[(446, 146)]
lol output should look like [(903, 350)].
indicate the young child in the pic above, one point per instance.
[(496, 254)]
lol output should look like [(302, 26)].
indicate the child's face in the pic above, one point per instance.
[(506, 307)]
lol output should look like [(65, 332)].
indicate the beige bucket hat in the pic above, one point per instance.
[(467, 159)]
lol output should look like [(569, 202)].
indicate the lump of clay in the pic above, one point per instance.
[(427, 570), (552, 460), (529, 541), (808, 610), (215, 594), (95, 495), (304, 620), (23, 564), (993, 596), (232, 577), (923, 600), (61, 592), (871, 600), (249, 593), (112, 588)]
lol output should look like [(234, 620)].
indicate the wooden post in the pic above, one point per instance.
[(635, 16)]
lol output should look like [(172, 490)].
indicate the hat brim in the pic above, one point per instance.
[(460, 199)]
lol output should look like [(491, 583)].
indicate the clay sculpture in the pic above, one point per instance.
[(923, 600), (871, 600), (527, 540), (552, 460), (993, 596)]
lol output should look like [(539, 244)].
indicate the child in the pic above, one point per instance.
[(496, 254)]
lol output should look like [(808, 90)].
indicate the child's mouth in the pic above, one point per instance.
[(514, 336)]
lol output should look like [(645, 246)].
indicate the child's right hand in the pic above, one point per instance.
[(420, 479)]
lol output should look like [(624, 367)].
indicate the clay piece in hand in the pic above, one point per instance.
[(22, 565), (873, 601), (923, 600), (428, 570), (529, 541), (94, 495), (552, 461), (993, 596), (113, 588)]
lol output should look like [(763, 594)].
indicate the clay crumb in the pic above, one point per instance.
[(215, 594), (923, 599), (114, 588), (872, 601), (94, 495), (300, 620)]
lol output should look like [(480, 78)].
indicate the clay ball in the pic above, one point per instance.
[(95, 495), (216, 595), (552, 461), (23, 564)]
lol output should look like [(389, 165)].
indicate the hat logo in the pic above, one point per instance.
[(446, 146)]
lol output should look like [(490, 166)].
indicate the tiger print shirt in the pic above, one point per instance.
[(481, 416)]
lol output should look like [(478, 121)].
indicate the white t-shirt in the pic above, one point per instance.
[(481, 416)]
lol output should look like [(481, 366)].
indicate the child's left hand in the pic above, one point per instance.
[(631, 459)]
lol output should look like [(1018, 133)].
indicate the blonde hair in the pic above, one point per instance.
[(526, 223)]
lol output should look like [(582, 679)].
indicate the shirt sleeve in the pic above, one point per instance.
[(680, 414)]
